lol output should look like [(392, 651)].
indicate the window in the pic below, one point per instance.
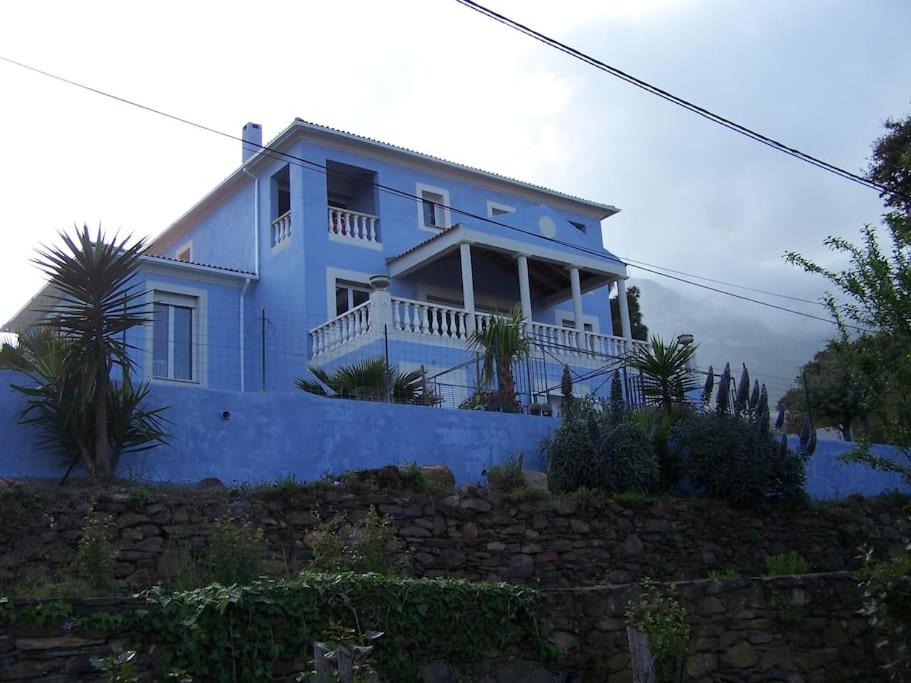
[(498, 209), (568, 322), (577, 225), (433, 209), (174, 337), (281, 193), (348, 295)]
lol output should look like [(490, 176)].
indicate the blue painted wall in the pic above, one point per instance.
[(272, 435)]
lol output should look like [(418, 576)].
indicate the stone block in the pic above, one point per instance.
[(741, 656), (521, 566)]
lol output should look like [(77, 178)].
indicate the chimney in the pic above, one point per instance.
[(253, 139)]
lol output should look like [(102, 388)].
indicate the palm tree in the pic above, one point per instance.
[(95, 304), (666, 374), (503, 341), (368, 380)]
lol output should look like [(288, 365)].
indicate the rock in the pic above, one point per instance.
[(741, 656), (709, 605), (128, 519), (414, 531), (6, 484), (701, 664), (475, 504), (453, 559), (211, 484), (563, 640), (54, 643), (535, 480), (579, 526), (139, 579), (172, 562), (633, 546), (131, 534), (523, 671), (522, 566), (469, 531), (496, 546), (440, 475)]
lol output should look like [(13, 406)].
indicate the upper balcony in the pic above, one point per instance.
[(352, 210)]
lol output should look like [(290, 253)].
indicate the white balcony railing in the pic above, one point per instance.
[(420, 317), (281, 229), (354, 226), (341, 330)]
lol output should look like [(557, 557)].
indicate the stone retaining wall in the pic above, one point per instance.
[(789, 629), (473, 533)]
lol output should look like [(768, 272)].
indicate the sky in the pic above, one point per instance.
[(434, 76)]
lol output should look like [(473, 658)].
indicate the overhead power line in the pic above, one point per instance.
[(674, 99), (321, 168)]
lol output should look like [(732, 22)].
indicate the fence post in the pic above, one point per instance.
[(641, 660)]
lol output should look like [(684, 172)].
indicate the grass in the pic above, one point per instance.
[(786, 564)]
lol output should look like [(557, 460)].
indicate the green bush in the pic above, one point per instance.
[(663, 619), (786, 564), (371, 546), (886, 589), (730, 458), (235, 552), (240, 633), (506, 477), (600, 449), (725, 574)]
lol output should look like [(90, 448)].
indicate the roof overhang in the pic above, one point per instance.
[(299, 129), (36, 308), (449, 240)]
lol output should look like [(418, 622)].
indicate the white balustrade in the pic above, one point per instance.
[(281, 228), (571, 342), (423, 318), (339, 331), (352, 225)]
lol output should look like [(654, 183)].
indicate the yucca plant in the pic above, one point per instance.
[(665, 370), (58, 407), (368, 380), (95, 303), (502, 342)]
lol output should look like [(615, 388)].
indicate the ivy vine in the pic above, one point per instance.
[(240, 633)]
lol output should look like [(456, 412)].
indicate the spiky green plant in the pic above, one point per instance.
[(58, 407), (502, 341), (566, 387), (722, 399), (94, 303), (665, 370), (708, 387), (369, 380), (742, 397)]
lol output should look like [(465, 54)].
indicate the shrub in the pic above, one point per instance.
[(506, 477), (601, 450), (786, 564), (94, 561), (732, 459), (886, 589), (725, 574), (414, 479), (235, 552), (371, 546), (663, 619)]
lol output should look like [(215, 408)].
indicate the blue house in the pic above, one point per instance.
[(324, 247)]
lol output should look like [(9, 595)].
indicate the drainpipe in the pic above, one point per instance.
[(255, 220), (243, 350)]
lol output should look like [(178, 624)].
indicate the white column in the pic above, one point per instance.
[(524, 289), (625, 326), (467, 284), (576, 286)]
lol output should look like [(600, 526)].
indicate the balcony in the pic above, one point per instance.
[(281, 229), (353, 227), (426, 323)]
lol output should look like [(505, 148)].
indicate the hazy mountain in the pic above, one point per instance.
[(773, 345)]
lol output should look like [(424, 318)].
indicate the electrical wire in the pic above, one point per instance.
[(674, 99), (321, 168)]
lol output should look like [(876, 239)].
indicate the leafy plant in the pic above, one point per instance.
[(566, 388), (665, 371), (95, 558), (369, 380), (502, 342), (663, 619), (94, 305), (886, 589), (494, 401), (118, 666), (239, 633), (235, 552), (371, 546), (733, 459), (414, 479), (726, 574), (786, 564), (597, 449), (507, 476), (339, 643)]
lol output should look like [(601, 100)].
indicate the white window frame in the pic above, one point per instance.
[(188, 248), (349, 277), (502, 208), (563, 314), (178, 295), (421, 188)]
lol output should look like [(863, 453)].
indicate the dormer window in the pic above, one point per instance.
[(578, 226), (433, 208), (497, 209)]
